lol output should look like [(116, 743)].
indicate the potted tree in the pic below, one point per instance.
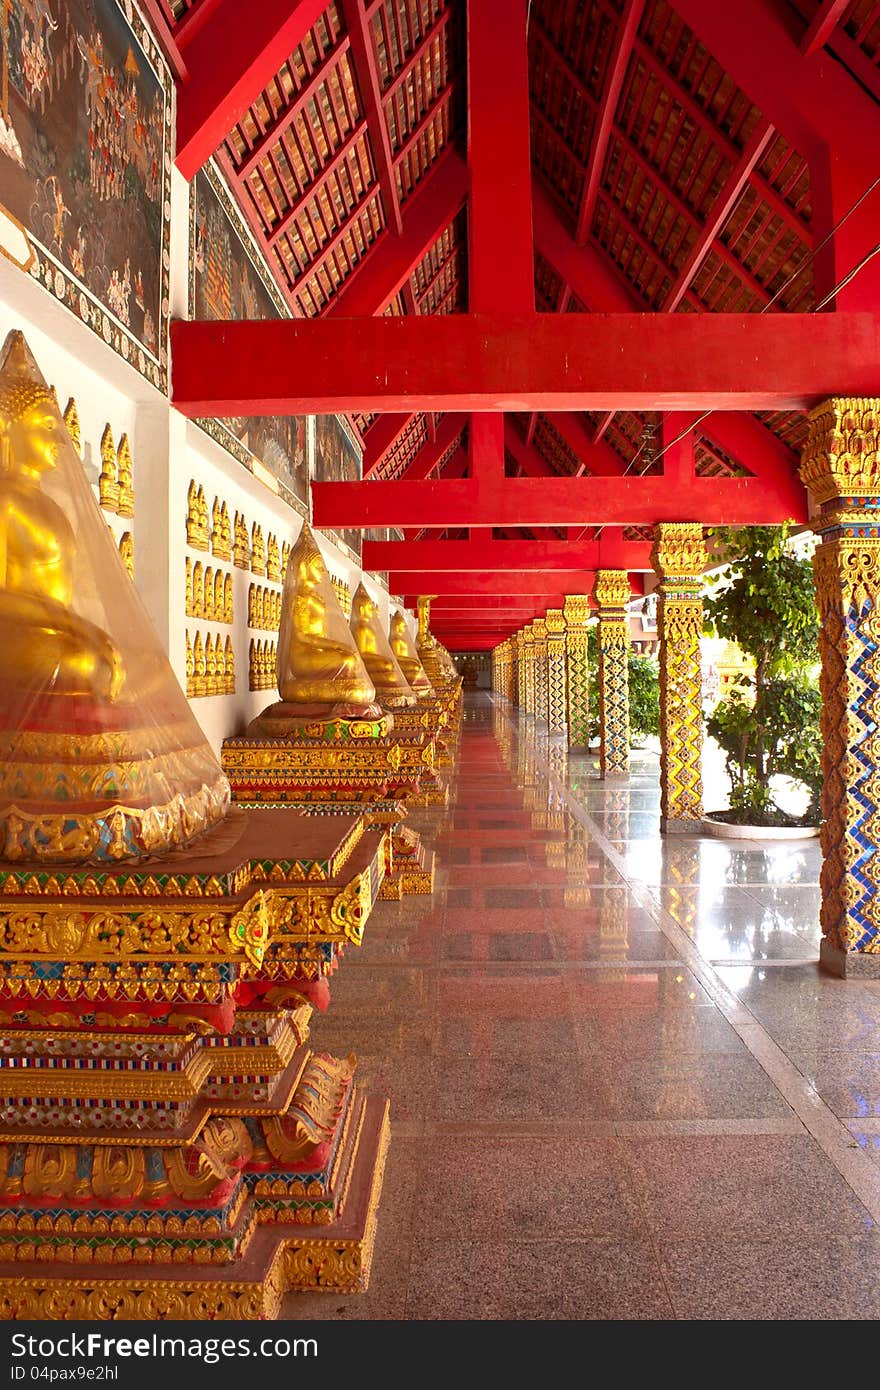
[(769, 724)]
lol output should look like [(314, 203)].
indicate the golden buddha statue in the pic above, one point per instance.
[(404, 649), (46, 645), (101, 758), (392, 687), (319, 668), (434, 657)]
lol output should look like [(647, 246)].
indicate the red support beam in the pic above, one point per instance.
[(548, 362), (618, 61), (229, 64), (381, 438), (389, 264), (628, 501), (533, 464), (507, 583), (609, 552), (501, 274), (486, 441), (824, 21), (366, 70)]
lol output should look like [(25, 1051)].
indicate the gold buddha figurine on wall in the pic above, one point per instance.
[(392, 687), (101, 758), (404, 649)]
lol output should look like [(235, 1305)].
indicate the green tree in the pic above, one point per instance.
[(644, 691), (770, 724)]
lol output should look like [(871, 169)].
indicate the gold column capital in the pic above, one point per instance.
[(576, 609), (611, 588), (841, 457), (555, 622), (679, 550)]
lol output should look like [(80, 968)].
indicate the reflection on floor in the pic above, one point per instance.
[(620, 1086)]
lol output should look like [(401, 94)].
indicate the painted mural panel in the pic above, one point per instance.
[(85, 164), (229, 280), (338, 460)]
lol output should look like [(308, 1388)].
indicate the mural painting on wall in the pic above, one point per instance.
[(337, 460), (228, 280), (85, 164)]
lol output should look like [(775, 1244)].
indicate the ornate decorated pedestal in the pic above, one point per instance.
[(171, 1147), (326, 766)]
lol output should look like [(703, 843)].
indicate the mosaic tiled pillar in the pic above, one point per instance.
[(557, 695), (679, 558), (577, 611), (539, 638), (513, 670), (611, 592), (841, 468)]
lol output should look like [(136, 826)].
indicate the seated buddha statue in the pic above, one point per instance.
[(392, 687), (47, 647), (319, 668), (404, 649), (101, 758)]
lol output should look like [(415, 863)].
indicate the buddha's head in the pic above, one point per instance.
[(363, 607), (30, 423)]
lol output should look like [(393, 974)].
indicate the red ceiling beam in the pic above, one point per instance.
[(824, 21), (629, 501), (388, 265), (615, 72), (366, 69), (548, 362), (610, 551), (501, 275), (507, 583), (381, 438), (229, 64)]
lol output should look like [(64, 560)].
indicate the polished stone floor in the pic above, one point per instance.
[(620, 1086)]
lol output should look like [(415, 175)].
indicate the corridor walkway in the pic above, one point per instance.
[(620, 1086)]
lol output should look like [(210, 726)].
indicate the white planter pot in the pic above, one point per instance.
[(722, 831)]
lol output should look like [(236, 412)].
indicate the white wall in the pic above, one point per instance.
[(168, 452)]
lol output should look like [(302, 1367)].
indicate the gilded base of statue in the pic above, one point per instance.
[(170, 1145), (281, 1255)]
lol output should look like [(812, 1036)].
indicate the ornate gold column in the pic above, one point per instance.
[(679, 558), (611, 592), (512, 669), (520, 640), (539, 638), (529, 671), (841, 468), (557, 695), (577, 611)]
